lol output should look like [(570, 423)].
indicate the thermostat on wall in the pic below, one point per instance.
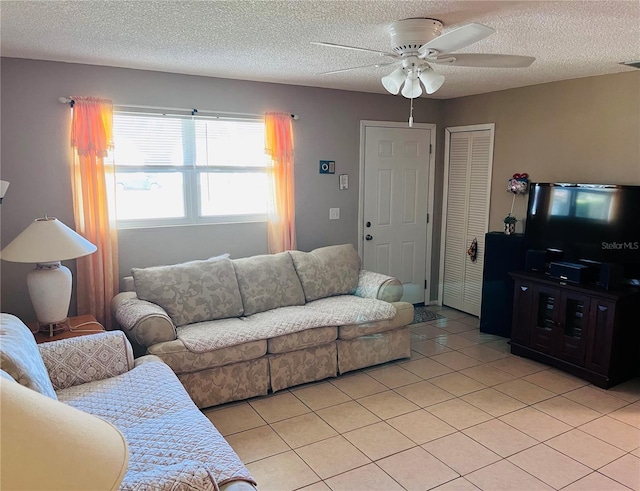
[(327, 167)]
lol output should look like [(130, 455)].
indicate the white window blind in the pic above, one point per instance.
[(173, 170)]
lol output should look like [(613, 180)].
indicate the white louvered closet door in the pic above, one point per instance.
[(467, 217)]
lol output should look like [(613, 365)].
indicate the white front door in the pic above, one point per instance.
[(397, 165)]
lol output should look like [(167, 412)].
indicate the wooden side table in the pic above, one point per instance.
[(81, 325)]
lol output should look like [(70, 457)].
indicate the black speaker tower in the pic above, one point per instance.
[(502, 255)]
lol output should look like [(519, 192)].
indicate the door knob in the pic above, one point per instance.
[(368, 237)]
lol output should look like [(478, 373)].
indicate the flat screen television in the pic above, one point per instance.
[(597, 222)]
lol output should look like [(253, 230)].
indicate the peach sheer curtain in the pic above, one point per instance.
[(93, 183), (281, 221)]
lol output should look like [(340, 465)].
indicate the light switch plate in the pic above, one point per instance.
[(334, 213)]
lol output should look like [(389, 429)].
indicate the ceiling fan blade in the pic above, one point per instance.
[(357, 67), (457, 39), (354, 48), (484, 60)]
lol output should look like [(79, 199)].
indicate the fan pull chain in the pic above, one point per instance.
[(411, 115)]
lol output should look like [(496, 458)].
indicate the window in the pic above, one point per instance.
[(593, 203), (174, 170)]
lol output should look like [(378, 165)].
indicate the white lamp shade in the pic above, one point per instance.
[(412, 89), (4, 185), (432, 81), (49, 445), (47, 240), (394, 80)]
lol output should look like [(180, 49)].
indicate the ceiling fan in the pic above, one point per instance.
[(418, 43)]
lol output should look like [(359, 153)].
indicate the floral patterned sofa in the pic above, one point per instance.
[(172, 445), (234, 329)]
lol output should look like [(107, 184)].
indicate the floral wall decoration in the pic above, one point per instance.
[(517, 185)]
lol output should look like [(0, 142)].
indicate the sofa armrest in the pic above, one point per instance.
[(128, 285), (148, 359), (76, 361), (379, 286), (144, 323)]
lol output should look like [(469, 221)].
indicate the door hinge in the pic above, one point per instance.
[(430, 148), (427, 218), (425, 284)]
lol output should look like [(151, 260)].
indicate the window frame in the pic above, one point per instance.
[(192, 201)]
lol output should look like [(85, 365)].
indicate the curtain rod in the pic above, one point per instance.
[(192, 110)]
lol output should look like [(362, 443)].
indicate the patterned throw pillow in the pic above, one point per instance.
[(268, 282), (327, 271), (191, 292), (20, 358)]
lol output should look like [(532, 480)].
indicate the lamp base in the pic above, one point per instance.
[(49, 287), (53, 328)]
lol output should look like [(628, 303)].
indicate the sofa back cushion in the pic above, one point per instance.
[(268, 282), (20, 358), (190, 292), (327, 271)]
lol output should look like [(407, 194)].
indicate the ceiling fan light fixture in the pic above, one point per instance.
[(412, 88), (419, 42), (432, 81), (394, 80)]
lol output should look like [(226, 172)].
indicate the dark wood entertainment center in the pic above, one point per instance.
[(582, 329)]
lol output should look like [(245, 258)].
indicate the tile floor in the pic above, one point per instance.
[(461, 414)]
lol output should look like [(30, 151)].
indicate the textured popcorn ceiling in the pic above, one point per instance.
[(270, 40)]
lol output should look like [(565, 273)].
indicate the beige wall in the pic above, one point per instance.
[(582, 130), (35, 157)]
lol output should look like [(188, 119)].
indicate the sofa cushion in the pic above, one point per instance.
[(350, 309), (327, 271), (268, 282), (191, 292), (182, 360), (20, 358), (302, 366), (209, 336), (172, 445), (373, 349), (302, 339), (242, 380)]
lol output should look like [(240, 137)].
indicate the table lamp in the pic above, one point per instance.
[(4, 185), (46, 444), (46, 242)]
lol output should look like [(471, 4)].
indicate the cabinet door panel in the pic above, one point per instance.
[(601, 322), (544, 332), (574, 323), (523, 297)]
